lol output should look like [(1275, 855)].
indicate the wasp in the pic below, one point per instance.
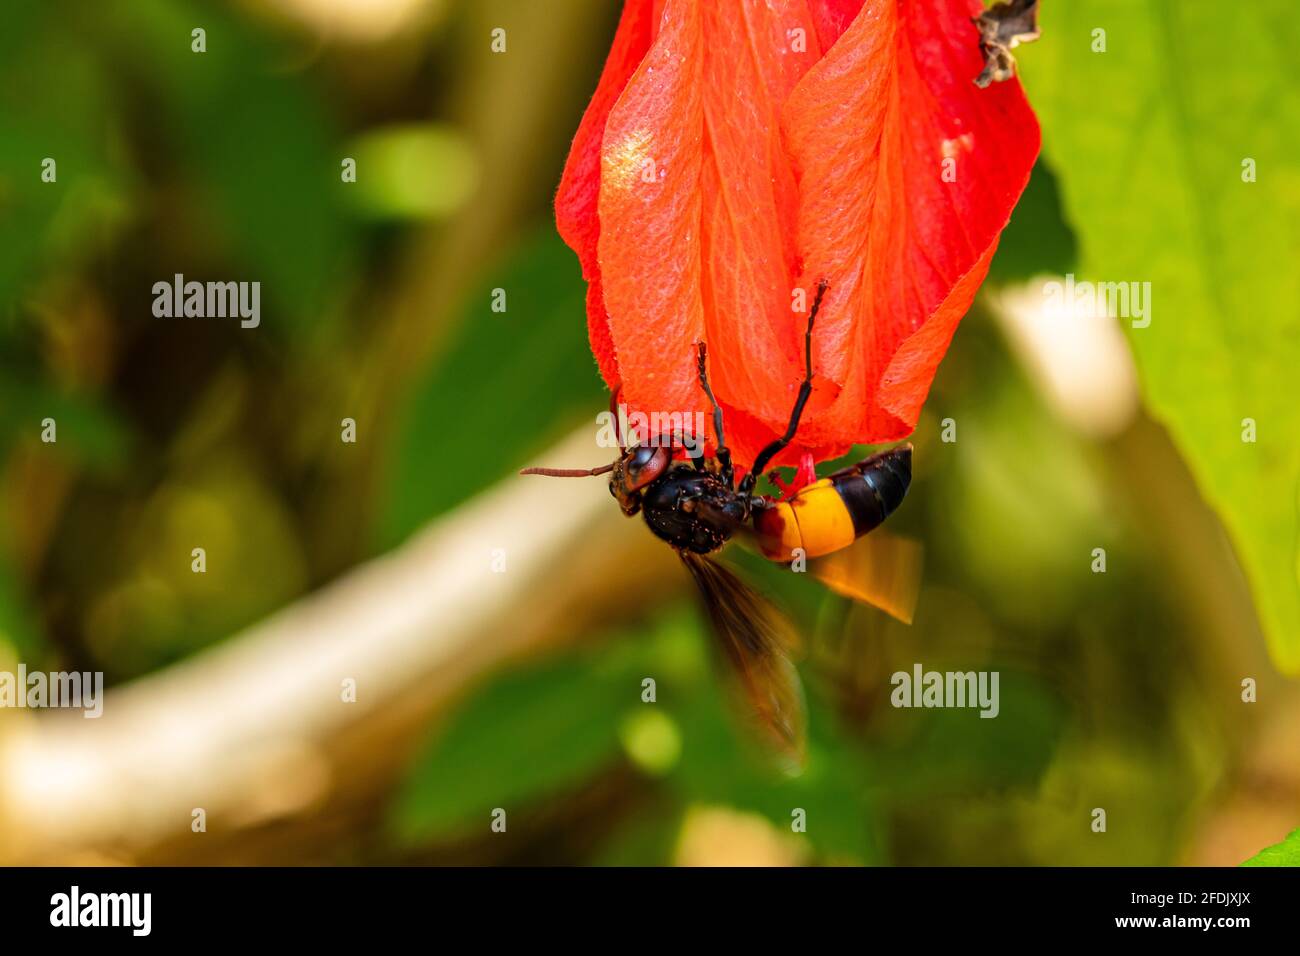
[(697, 506)]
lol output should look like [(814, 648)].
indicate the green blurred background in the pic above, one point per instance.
[(1120, 690)]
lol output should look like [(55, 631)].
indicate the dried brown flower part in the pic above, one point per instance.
[(1002, 27)]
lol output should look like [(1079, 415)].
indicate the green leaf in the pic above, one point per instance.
[(955, 750), (509, 385), (412, 171), (57, 105), (263, 152), (1036, 240), (18, 628), (1149, 139), (533, 732), (722, 764), (88, 431), (524, 737), (1286, 853)]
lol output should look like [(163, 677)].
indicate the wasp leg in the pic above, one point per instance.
[(731, 515), (775, 447), (694, 449), (723, 453)]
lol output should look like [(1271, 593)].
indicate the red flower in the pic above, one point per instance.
[(736, 151)]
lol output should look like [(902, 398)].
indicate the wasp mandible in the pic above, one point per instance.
[(697, 506)]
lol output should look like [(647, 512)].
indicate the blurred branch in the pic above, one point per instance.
[(256, 730), (521, 160)]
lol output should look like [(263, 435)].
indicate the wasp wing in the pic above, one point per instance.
[(880, 569), (755, 639)]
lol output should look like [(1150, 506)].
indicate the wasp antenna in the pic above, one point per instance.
[(568, 472)]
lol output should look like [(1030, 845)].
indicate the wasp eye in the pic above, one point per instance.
[(640, 458), (644, 465)]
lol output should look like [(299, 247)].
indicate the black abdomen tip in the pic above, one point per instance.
[(874, 488)]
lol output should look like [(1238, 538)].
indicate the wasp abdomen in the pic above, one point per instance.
[(873, 488), (830, 514)]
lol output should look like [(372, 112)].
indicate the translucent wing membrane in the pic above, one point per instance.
[(880, 569), (755, 639)]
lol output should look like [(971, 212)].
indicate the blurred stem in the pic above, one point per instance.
[(256, 730), (518, 104)]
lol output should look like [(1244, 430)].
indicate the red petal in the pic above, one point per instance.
[(649, 219), (832, 18), (766, 171), (869, 128), (706, 248), (750, 204), (576, 202)]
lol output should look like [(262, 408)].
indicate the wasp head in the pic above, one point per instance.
[(638, 468)]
